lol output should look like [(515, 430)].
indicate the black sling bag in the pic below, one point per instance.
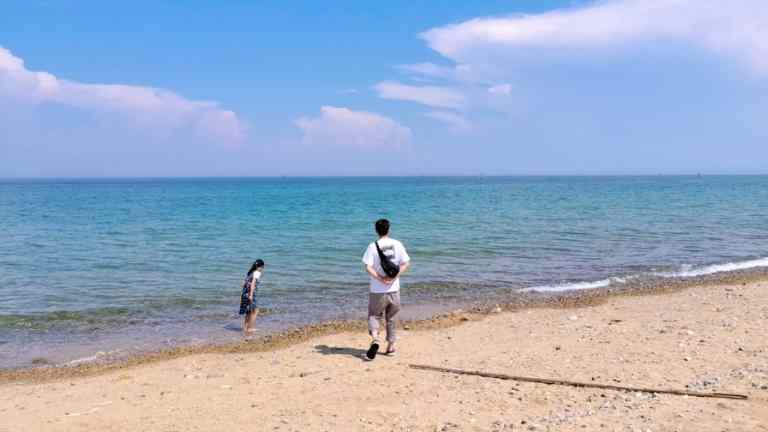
[(390, 269)]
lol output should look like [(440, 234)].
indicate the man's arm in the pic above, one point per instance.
[(405, 260), (403, 267), (374, 274)]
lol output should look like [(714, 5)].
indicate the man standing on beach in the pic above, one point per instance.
[(384, 295)]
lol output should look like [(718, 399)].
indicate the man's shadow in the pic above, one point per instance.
[(329, 350)]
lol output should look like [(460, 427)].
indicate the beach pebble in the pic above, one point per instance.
[(573, 317)]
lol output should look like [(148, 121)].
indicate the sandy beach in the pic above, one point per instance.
[(708, 338)]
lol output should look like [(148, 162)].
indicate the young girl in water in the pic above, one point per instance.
[(248, 297)]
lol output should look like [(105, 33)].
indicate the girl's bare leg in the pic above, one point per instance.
[(250, 320)]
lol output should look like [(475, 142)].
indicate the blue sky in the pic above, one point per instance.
[(383, 88)]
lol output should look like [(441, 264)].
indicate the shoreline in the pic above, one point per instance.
[(477, 310), (705, 340)]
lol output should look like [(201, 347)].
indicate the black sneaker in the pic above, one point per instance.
[(373, 350)]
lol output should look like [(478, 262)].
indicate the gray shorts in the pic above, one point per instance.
[(385, 305)]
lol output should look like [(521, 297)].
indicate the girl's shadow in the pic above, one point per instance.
[(329, 350), (234, 327)]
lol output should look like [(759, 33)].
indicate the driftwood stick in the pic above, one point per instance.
[(580, 384)]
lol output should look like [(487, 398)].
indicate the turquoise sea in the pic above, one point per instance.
[(94, 268)]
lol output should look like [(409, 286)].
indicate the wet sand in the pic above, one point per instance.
[(704, 338)]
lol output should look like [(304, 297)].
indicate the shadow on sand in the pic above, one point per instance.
[(329, 350)]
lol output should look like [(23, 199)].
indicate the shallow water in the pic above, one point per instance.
[(127, 265)]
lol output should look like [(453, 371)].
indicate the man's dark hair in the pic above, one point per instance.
[(382, 227)]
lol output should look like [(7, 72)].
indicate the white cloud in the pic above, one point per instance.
[(430, 71), (434, 96), (360, 129), (455, 122), (501, 89), (737, 29), (149, 106)]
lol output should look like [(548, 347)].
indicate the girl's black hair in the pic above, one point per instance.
[(259, 263)]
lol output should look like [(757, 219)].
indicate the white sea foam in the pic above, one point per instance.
[(576, 285), (689, 271), (90, 359), (685, 271)]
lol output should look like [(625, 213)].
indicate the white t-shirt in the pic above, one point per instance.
[(395, 251)]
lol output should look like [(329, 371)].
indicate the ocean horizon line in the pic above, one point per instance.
[(373, 176)]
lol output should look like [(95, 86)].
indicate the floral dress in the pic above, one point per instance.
[(246, 305)]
